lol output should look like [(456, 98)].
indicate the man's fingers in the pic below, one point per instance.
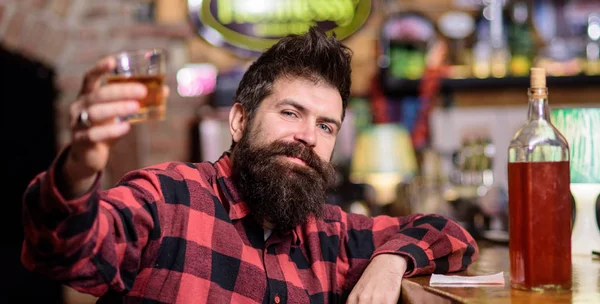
[(370, 297), (91, 80), (353, 298), (102, 112), (364, 298), (116, 92), (102, 133)]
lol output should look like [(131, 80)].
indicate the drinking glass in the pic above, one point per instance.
[(148, 67)]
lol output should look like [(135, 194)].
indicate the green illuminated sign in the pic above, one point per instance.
[(251, 26)]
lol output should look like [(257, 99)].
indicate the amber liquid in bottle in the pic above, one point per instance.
[(539, 199)]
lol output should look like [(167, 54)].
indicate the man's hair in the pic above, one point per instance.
[(312, 56)]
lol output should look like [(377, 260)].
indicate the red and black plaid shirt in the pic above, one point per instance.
[(179, 233)]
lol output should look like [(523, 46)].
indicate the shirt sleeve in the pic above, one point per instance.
[(431, 243), (93, 243)]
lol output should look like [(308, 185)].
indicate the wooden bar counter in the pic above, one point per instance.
[(494, 259)]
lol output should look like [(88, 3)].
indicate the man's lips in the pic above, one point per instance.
[(295, 160)]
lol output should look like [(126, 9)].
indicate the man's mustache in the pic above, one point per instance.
[(296, 150)]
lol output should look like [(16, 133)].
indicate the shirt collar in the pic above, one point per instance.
[(238, 209)]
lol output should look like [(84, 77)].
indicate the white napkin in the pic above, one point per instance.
[(467, 281)]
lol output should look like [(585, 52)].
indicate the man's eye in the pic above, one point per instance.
[(288, 113), (325, 128)]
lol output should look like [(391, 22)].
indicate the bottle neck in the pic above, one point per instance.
[(538, 104)]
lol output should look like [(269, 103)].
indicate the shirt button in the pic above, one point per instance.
[(277, 300)]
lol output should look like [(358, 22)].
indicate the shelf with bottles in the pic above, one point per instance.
[(395, 87), (493, 46)]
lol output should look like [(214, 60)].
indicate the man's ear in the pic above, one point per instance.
[(237, 121)]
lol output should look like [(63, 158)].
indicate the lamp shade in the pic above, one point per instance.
[(383, 157)]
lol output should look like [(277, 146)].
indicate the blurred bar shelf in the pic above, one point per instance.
[(400, 87), (519, 82), (508, 91)]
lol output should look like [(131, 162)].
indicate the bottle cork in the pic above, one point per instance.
[(538, 78)]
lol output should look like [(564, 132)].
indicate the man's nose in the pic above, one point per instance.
[(306, 134)]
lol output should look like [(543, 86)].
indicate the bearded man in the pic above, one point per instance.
[(252, 227)]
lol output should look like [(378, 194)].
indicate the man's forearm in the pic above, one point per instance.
[(433, 243)]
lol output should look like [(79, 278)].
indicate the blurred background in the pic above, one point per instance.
[(439, 88)]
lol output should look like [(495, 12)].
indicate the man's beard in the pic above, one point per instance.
[(277, 190)]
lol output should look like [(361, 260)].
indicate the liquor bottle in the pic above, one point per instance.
[(539, 198), (520, 39)]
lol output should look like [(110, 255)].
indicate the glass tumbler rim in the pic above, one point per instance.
[(141, 51)]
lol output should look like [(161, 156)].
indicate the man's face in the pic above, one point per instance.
[(281, 160), (299, 110)]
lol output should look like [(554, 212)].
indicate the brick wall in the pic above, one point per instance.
[(70, 35)]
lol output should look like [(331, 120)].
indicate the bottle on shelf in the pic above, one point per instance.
[(539, 198), (520, 39), (592, 49)]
